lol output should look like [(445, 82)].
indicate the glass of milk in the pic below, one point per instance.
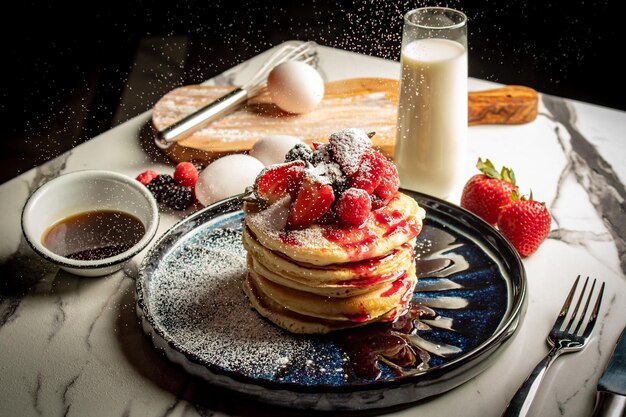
[(432, 113)]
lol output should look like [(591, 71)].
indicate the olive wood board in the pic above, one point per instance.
[(367, 103)]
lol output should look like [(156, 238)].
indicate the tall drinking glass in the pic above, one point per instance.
[(432, 113)]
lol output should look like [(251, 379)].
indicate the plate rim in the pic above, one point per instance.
[(507, 327)]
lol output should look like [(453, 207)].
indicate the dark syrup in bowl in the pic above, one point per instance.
[(94, 235)]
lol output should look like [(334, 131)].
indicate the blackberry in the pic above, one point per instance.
[(159, 184), (321, 154), (178, 197), (340, 185), (299, 152)]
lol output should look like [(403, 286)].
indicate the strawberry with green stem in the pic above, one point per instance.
[(485, 194)]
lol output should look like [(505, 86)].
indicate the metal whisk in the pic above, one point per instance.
[(304, 52)]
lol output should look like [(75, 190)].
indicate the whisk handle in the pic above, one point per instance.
[(188, 124)]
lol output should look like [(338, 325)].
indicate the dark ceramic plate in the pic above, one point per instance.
[(190, 303)]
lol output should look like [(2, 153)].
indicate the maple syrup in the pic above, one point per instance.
[(367, 346), (94, 235)]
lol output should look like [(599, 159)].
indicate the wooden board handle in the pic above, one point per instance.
[(512, 104)]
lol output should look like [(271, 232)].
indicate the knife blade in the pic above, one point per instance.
[(611, 397)]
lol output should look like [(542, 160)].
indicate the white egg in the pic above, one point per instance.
[(272, 149), (295, 87), (226, 177)]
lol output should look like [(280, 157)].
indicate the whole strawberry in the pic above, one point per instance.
[(485, 194), (525, 223)]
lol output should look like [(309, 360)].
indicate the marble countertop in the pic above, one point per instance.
[(72, 346)]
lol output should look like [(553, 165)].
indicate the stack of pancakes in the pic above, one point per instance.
[(328, 277)]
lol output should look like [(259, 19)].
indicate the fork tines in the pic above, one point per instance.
[(586, 331)]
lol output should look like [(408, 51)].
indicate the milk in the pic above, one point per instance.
[(432, 115)]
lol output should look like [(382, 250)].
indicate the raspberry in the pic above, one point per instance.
[(146, 176), (178, 197), (353, 207), (299, 152), (159, 184), (186, 174)]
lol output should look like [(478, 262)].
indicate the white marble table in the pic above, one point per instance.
[(73, 346)]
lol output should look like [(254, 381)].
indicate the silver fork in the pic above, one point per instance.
[(561, 341)]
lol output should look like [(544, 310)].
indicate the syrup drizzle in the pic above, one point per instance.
[(396, 344), (355, 242), (395, 286)]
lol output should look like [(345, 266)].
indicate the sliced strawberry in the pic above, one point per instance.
[(353, 207), (389, 183), (368, 176), (313, 201), (277, 181)]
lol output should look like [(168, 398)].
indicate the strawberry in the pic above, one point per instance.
[(186, 174), (368, 176), (276, 181), (313, 201), (348, 147), (377, 202), (390, 182), (485, 194), (146, 177), (525, 223), (353, 207)]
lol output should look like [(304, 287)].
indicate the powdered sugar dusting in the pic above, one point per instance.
[(196, 297), (265, 222), (325, 173), (348, 147)]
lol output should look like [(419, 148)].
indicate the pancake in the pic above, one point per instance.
[(302, 324), (337, 280), (386, 229), (291, 321), (359, 308)]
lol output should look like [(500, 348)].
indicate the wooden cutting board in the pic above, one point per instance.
[(367, 103)]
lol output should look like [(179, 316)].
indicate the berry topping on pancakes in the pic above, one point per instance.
[(340, 182)]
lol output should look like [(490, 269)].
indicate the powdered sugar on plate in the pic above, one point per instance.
[(197, 300)]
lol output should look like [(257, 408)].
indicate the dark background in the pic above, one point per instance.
[(73, 71)]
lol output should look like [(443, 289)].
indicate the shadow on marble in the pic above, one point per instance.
[(146, 142), (138, 350), (22, 270)]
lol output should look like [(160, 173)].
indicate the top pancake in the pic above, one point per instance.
[(386, 229)]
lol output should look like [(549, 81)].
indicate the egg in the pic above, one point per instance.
[(226, 177), (295, 87), (272, 149)]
